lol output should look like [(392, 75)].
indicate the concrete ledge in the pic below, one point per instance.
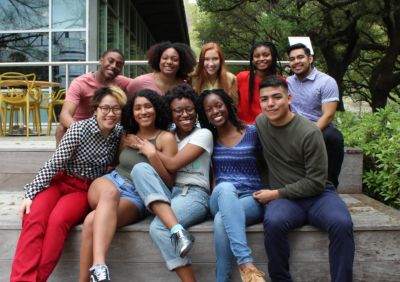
[(20, 167), (350, 178), (133, 257)]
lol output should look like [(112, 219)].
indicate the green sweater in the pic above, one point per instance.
[(296, 157)]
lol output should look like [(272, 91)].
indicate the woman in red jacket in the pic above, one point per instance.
[(263, 62)]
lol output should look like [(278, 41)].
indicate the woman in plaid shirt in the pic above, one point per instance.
[(56, 200)]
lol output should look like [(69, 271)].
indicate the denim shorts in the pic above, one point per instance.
[(127, 190)]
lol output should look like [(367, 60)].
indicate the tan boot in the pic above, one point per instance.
[(252, 274)]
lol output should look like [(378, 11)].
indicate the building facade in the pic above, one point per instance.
[(81, 30)]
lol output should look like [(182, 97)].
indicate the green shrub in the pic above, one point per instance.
[(378, 135)]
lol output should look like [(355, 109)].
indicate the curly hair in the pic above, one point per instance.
[(163, 113), (187, 60), (228, 101), (179, 92), (273, 69)]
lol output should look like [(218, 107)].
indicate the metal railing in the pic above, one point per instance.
[(87, 64), (91, 65)]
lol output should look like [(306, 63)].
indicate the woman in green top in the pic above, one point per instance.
[(113, 197)]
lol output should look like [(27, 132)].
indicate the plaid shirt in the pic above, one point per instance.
[(83, 150)]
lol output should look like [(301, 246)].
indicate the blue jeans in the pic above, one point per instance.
[(126, 190), (190, 209), (327, 212), (232, 213)]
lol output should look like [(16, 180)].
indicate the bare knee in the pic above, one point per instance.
[(103, 191), (109, 195)]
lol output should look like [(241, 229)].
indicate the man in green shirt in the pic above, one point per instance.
[(299, 192)]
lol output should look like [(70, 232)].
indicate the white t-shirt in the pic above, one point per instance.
[(198, 172)]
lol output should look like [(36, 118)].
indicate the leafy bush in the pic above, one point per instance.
[(378, 135)]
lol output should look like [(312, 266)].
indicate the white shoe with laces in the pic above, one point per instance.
[(99, 273)]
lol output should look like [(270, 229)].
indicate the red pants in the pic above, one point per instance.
[(54, 211)]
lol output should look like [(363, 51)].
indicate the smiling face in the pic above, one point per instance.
[(262, 58), (108, 114), (212, 62), (111, 65), (216, 110), (274, 102), (300, 63), (183, 115), (169, 62), (144, 112)]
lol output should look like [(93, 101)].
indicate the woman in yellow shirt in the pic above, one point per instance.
[(211, 72)]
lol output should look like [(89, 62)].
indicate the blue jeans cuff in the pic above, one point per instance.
[(178, 262), (155, 197), (245, 260)]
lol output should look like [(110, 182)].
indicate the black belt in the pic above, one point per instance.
[(84, 179)]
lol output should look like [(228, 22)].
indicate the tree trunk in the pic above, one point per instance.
[(378, 98), (337, 70)]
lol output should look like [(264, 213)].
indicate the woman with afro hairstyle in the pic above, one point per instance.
[(114, 197), (189, 198), (171, 64), (236, 171), (263, 62)]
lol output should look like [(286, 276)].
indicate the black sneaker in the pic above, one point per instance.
[(99, 272), (183, 241)]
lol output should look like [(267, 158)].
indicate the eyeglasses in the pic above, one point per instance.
[(105, 110), (179, 111)]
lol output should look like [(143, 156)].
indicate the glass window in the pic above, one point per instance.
[(69, 46), (121, 36), (133, 20), (69, 14), (59, 73), (102, 28), (24, 15), (113, 4), (112, 30), (24, 47)]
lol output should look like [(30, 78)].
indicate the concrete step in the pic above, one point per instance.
[(21, 162), (21, 158), (133, 257)]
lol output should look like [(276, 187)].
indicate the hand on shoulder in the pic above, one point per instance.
[(166, 143)]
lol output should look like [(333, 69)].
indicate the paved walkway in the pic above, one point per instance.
[(9, 204), (34, 142)]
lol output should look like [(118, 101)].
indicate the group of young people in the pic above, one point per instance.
[(130, 148)]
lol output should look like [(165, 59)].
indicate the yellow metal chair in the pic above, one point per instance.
[(18, 93), (55, 98)]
